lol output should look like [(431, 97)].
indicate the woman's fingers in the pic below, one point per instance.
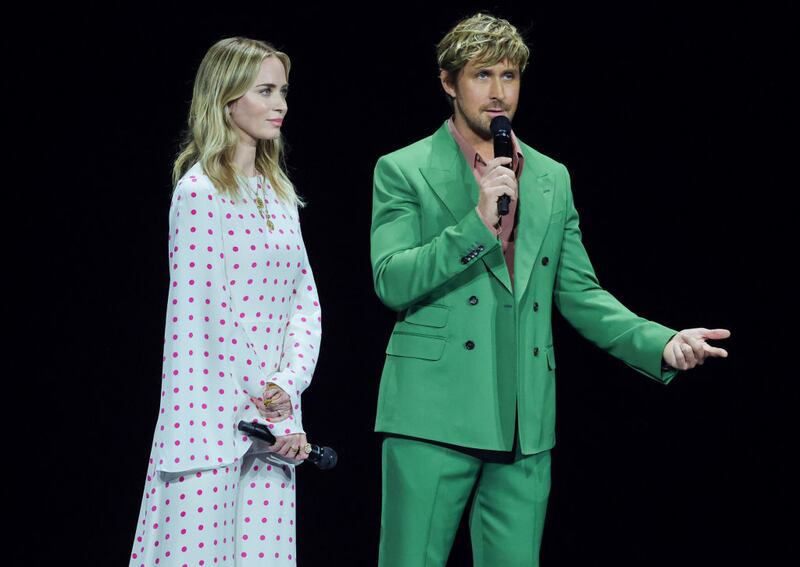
[(291, 446)]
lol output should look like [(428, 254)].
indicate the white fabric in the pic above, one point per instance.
[(238, 515), (242, 310)]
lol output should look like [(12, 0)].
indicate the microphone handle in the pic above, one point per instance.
[(503, 147), (502, 205)]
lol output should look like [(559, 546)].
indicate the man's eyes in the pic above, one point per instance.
[(485, 74)]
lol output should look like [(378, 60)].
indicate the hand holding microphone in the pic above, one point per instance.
[(498, 180), (323, 457), (500, 127), (498, 186)]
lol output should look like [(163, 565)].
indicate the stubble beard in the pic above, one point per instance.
[(475, 124)]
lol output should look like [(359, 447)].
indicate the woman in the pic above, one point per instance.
[(242, 330)]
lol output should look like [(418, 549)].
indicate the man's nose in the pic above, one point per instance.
[(497, 90)]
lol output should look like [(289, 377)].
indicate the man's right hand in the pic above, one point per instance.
[(497, 180)]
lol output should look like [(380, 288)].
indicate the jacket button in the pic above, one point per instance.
[(536, 306), (536, 351), (545, 261), (464, 260), (473, 300), (469, 345)]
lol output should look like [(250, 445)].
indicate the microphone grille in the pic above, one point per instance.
[(500, 124)]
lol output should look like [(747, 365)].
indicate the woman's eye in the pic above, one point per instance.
[(266, 92)]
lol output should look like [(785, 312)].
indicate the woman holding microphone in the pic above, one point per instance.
[(242, 329)]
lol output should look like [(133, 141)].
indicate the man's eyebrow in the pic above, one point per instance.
[(488, 69)]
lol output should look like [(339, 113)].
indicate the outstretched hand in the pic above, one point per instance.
[(689, 348)]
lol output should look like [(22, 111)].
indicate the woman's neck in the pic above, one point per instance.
[(245, 159)]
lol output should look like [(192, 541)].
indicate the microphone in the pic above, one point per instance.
[(324, 457), (503, 147)]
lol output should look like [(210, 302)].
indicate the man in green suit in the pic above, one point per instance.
[(466, 399)]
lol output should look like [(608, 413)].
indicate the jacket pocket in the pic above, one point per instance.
[(557, 216), (551, 358), (428, 315), (413, 345)]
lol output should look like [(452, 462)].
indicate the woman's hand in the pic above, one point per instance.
[(276, 405), (291, 446)]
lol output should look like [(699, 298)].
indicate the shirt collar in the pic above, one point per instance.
[(475, 160)]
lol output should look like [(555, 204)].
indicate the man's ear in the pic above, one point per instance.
[(449, 88)]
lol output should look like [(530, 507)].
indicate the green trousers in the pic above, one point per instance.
[(426, 487)]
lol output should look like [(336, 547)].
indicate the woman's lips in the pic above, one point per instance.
[(276, 121)]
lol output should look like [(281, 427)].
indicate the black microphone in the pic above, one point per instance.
[(324, 457), (503, 147)]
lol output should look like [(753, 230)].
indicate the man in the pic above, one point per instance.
[(467, 394)]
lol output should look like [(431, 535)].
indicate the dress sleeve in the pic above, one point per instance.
[(301, 342), (199, 398)]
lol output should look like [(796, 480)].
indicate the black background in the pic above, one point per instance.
[(670, 122)]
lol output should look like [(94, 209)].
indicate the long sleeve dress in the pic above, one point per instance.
[(242, 311)]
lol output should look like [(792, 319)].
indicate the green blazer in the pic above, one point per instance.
[(468, 349)]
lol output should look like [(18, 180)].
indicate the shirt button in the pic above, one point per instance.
[(473, 300), (545, 261), (536, 351), (469, 345), (536, 306)]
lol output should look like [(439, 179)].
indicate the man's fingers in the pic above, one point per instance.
[(680, 360), (688, 355), (697, 348), (715, 351), (501, 190), (498, 161), (716, 334)]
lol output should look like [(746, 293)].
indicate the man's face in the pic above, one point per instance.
[(481, 93)]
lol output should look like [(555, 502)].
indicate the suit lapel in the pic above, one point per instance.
[(535, 203), (450, 177)]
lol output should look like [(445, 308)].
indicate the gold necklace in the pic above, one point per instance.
[(261, 202)]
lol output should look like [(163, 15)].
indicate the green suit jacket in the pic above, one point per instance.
[(470, 353)]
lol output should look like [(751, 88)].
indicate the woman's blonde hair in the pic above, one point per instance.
[(484, 38), (226, 73)]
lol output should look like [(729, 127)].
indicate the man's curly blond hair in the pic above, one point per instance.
[(483, 38)]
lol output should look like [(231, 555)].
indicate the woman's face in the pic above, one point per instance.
[(258, 114)]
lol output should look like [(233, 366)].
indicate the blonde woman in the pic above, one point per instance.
[(242, 329)]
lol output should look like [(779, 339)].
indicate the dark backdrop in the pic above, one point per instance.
[(667, 119)]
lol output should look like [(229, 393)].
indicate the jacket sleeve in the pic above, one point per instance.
[(301, 342), (598, 315), (404, 267)]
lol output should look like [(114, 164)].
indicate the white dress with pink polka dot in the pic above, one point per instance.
[(242, 311)]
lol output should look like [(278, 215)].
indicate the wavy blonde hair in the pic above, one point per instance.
[(484, 38), (226, 72)]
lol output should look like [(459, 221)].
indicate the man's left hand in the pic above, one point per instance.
[(689, 348)]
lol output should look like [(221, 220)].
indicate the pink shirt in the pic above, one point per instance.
[(507, 234)]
